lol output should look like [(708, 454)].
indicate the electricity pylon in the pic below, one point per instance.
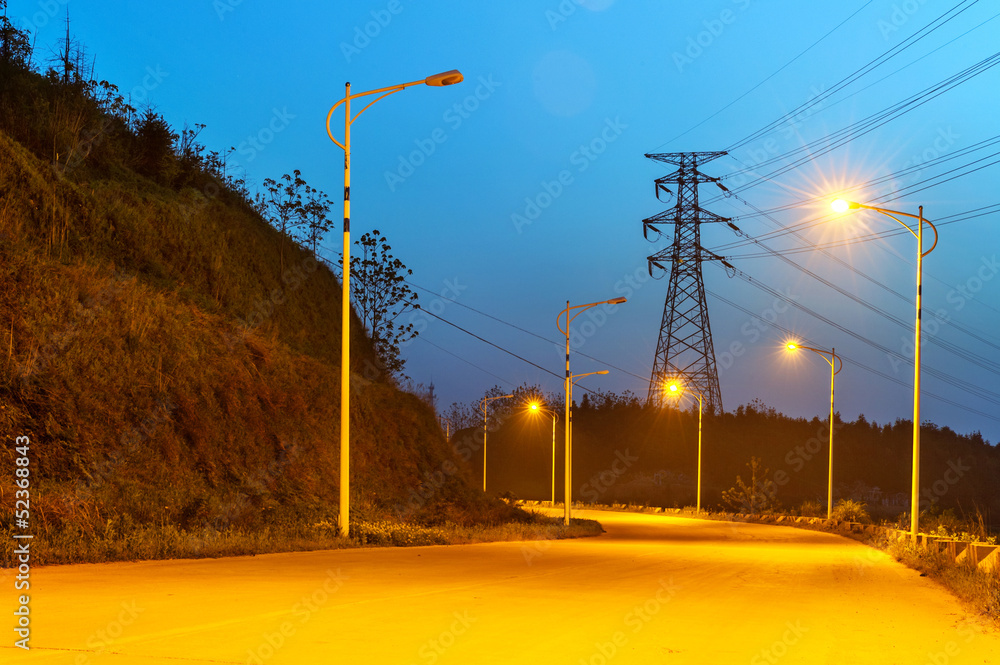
[(684, 350)]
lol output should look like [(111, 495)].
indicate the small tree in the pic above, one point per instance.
[(283, 203), (523, 395), (315, 212), (15, 47), (756, 497), (381, 296), (156, 146), (190, 154), (461, 416), (849, 510)]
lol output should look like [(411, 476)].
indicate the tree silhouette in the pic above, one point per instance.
[(381, 296), (283, 202), (15, 48), (758, 496), (315, 212), (156, 145)]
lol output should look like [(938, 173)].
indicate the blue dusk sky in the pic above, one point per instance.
[(526, 185)]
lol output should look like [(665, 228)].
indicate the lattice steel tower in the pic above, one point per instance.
[(684, 350)]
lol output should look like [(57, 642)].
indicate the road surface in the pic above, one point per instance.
[(653, 589)]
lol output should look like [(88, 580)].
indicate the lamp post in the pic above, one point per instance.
[(834, 370), (445, 78), (568, 388), (572, 382), (840, 205), (675, 388), (555, 417), (485, 400)]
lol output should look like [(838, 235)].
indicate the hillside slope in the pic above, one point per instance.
[(170, 366)]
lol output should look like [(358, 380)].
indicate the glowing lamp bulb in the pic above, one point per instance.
[(840, 205)]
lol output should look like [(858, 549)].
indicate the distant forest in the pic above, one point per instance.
[(625, 451)]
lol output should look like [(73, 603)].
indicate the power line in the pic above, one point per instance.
[(496, 346), (765, 80), (467, 362), (948, 346), (920, 166), (862, 71), (841, 137), (853, 362), (982, 393), (527, 332)]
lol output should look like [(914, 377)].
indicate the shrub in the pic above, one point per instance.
[(156, 142), (757, 497), (812, 509), (849, 510)]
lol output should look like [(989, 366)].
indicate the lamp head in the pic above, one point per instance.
[(792, 346), (450, 77), (533, 406), (603, 371), (840, 205), (674, 388), (617, 301)]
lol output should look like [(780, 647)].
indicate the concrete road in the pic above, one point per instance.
[(653, 589)]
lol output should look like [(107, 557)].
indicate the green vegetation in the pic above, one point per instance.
[(121, 538), (979, 590), (848, 510), (173, 357), (756, 497), (811, 509)]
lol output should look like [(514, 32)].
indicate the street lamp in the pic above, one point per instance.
[(485, 400), (840, 205), (572, 382), (534, 406), (833, 360), (568, 389), (445, 78), (674, 388)]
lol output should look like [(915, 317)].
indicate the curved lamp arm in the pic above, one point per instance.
[(444, 78), (841, 205), (569, 320), (823, 353)]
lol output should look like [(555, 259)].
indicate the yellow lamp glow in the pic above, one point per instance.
[(840, 205), (791, 346)]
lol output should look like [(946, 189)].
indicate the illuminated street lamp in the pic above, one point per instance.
[(445, 78), (833, 360), (676, 389), (534, 406), (841, 205), (485, 400), (568, 389)]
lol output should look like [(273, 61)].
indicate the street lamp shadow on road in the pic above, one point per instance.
[(450, 77)]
